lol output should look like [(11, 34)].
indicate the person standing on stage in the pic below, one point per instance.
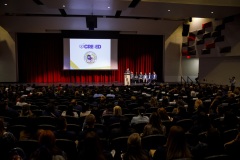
[(154, 77), (127, 71), (233, 83)]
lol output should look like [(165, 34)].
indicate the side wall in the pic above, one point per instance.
[(8, 63)]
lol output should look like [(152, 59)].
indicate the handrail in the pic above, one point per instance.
[(188, 78), (182, 79)]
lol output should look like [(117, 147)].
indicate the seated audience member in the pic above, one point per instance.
[(7, 111), (51, 110), (47, 148), (21, 101), (62, 132), (154, 126), (140, 118), (176, 146), (76, 106), (153, 102), (7, 141), (102, 102), (109, 109), (213, 146), (70, 111), (16, 154), (163, 115), (89, 122), (85, 110), (117, 114), (232, 147), (145, 78), (140, 77), (31, 131), (26, 111), (181, 114), (124, 130), (92, 148), (134, 149)]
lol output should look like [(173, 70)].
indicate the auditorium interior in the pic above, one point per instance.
[(53, 104)]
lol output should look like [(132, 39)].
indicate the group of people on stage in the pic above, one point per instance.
[(142, 78)]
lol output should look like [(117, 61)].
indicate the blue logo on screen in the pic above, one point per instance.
[(90, 46)]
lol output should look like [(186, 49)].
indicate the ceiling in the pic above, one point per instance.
[(170, 10)]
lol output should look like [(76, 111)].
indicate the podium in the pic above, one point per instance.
[(127, 80)]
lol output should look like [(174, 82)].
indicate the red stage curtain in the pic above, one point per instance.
[(40, 59)]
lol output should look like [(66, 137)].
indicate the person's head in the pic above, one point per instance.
[(74, 102), (117, 111), (177, 144), (162, 113), (47, 138), (141, 110), (62, 123), (197, 103), (154, 120), (134, 141), (25, 110), (92, 147), (90, 120), (17, 154)]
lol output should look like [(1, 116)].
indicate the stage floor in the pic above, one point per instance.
[(77, 84)]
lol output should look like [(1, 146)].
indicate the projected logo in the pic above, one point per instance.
[(90, 57)]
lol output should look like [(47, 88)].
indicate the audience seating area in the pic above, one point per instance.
[(219, 108)]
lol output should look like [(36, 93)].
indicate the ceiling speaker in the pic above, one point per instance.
[(91, 22)]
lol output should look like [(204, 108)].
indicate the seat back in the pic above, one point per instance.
[(186, 124), (153, 141), (218, 157), (119, 144), (29, 146), (68, 146)]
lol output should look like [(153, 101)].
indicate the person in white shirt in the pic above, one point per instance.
[(140, 118)]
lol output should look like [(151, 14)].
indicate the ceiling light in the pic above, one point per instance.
[(212, 12), (109, 7), (63, 6), (169, 10), (5, 4)]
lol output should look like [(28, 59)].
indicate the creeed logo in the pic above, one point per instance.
[(90, 57)]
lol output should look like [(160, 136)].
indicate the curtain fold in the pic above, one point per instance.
[(40, 59)]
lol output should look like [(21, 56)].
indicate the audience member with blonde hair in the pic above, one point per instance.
[(134, 150), (117, 113)]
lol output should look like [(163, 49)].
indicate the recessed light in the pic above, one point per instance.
[(5, 4), (169, 10), (109, 7), (63, 6), (212, 12)]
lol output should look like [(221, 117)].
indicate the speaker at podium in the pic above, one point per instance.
[(127, 80)]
